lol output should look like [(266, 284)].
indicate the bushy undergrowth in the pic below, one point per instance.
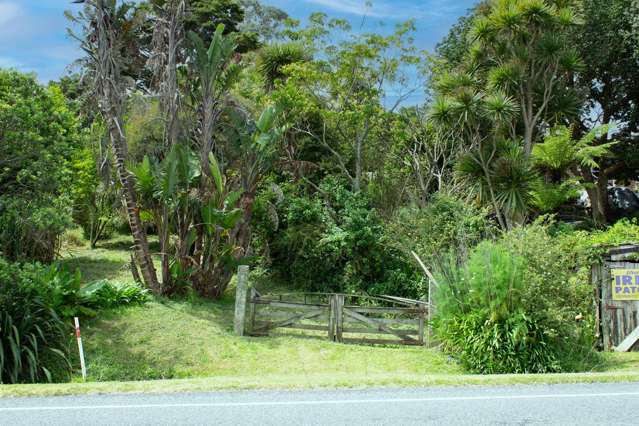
[(513, 306), (446, 223), (334, 240), (482, 319), (105, 294), (38, 132), (36, 306)]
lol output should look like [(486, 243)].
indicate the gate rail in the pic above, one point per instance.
[(341, 317)]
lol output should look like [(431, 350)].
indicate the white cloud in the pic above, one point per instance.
[(353, 7), (395, 9), (9, 11)]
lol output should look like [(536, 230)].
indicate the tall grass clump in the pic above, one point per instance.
[(33, 339), (523, 303), (487, 319)]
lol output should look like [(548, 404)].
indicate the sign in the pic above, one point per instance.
[(625, 284)]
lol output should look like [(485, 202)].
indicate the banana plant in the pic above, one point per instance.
[(196, 208), (214, 75)]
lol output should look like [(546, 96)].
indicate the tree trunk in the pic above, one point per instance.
[(108, 82), (598, 194), (358, 164), (164, 248), (244, 233), (141, 245), (528, 137)]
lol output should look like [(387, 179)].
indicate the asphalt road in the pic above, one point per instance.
[(582, 404)]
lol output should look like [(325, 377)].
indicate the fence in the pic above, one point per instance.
[(616, 283), (339, 317)]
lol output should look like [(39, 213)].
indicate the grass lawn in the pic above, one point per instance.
[(194, 338), (137, 348)]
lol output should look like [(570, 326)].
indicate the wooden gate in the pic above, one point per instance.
[(338, 317), (618, 318)]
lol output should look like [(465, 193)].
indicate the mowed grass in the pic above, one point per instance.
[(188, 339), (182, 339), (194, 338), (109, 260), (189, 345)]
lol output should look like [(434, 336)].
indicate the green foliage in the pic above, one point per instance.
[(445, 224), (205, 16), (273, 58), (560, 158), (36, 306), (142, 127), (94, 198), (501, 175), (547, 197), (63, 291), (515, 344), (211, 63), (557, 281), (559, 151), (32, 336), (513, 306), (38, 133), (31, 228), (335, 241), (105, 294), (481, 318)]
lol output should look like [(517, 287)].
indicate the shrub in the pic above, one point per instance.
[(481, 317), (30, 229), (444, 224), (64, 292), (33, 339), (38, 133), (334, 240), (554, 289), (60, 288), (94, 200), (557, 275)]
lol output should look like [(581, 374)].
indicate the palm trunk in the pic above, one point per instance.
[(108, 85), (140, 242), (164, 248)]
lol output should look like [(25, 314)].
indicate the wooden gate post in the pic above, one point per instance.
[(332, 303), (339, 317), (241, 296)]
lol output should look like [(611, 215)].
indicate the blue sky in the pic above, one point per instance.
[(33, 36)]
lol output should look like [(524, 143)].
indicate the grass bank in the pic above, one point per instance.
[(189, 345)]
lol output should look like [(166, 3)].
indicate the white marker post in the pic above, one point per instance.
[(79, 338)]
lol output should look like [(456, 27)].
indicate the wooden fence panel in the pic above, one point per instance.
[(340, 317), (341, 322)]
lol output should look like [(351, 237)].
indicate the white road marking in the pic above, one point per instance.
[(318, 402)]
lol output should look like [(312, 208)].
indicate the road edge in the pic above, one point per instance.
[(309, 381)]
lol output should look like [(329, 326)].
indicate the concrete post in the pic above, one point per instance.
[(241, 295)]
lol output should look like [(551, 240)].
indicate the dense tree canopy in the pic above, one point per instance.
[(38, 135)]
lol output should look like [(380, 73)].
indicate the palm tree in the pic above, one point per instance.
[(522, 47), (215, 74), (274, 57), (105, 30)]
